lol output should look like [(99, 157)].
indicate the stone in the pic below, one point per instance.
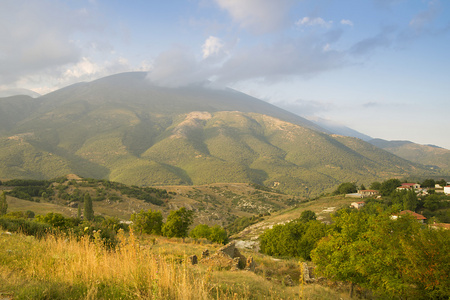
[(205, 253), (250, 264), (193, 259), (288, 280)]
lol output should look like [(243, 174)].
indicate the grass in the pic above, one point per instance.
[(59, 267)]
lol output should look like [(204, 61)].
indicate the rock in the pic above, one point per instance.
[(226, 257), (73, 204), (288, 281), (250, 265), (193, 259), (205, 253)]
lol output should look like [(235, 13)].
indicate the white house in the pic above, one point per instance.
[(447, 190), (358, 205)]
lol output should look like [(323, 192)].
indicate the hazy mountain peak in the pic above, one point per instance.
[(18, 92)]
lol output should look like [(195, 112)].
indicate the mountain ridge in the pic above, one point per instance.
[(125, 129)]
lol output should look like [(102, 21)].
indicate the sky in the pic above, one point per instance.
[(381, 67)]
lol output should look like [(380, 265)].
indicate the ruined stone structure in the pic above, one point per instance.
[(228, 257)]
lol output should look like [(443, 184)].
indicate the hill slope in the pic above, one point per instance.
[(432, 156), (125, 129)]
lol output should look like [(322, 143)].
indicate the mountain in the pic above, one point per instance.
[(340, 129), (429, 155), (125, 129), (18, 92)]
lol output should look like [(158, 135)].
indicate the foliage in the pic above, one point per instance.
[(25, 226), (178, 222), (241, 223), (215, 234), (428, 183), (307, 215), (3, 204), (88, 208), (375, 186), (294, 239), (26, 182), (149, 222), (393, 258), (345, 188), (388, 186)]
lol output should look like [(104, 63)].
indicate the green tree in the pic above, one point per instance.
[(218, 235), (442, 182), (178, 222), (388, 186), (375, 186), (393, 258), (307, 215), (294, 239), (149, 222), (345, 188), (88, 208), (3, 204), (201, 231), (428, 183), (410, 201)]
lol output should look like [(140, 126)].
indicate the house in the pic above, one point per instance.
[(358, 205), (368, 193), (353, 195), (415, 186), (447, 190), (418, 217)]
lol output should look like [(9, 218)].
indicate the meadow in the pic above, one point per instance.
[(141, 267)]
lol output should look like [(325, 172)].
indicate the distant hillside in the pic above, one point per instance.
[(429, 155), (337, 128), (125, 129), (18, 92)]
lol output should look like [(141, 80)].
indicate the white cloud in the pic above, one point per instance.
[(259, 16), (37, 36), (212, 47), (307, 21), (346, 22), (178, 67), (303, 57)]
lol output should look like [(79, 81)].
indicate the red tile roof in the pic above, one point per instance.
[(416, 215)]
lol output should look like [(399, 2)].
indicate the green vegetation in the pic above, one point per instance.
[(294, 239), (149, 222), (145, 136), (3, 204), (88, 209), (215, 234), (178, 223), (345, 188), (393, 258)]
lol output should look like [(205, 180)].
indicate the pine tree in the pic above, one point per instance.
[(79, 211), (88, 209), (3, 204)]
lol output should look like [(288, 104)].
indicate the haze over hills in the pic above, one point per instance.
[(429, 155), (125, 129)]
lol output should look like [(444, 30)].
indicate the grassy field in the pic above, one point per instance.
[(140, 268)]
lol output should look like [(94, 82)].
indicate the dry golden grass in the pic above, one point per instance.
[(60, 267)]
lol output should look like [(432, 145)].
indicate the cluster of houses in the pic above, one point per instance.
[(405, 186)]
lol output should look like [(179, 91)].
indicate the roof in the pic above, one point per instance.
[(375, 191), (416, 215), (409, 184)]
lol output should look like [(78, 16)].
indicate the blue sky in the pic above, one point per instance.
[(381, 67)]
